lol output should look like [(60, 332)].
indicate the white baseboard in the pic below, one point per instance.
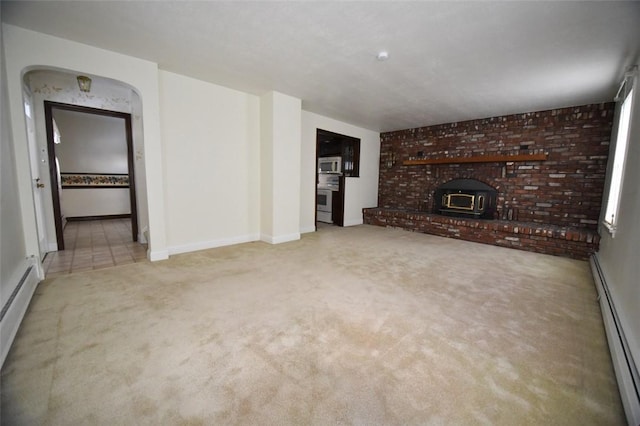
[(52, 247), (623, 363), (280, 238), (352, 222), (308, 229), (203, 245), (156, 255), (27, 280)]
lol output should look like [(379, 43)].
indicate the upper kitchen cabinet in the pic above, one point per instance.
[(351, 157), (331, 144)]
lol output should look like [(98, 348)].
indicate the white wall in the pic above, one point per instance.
[(360, 192), (618, 256), (137, 131), (13, 252), (14, 259), (85, 202), (92, 144), (280, 167), (210, 138), (26, 50)]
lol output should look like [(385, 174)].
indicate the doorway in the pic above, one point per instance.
[(346, 149), (96, 165)]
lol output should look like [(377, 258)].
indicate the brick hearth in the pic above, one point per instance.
[(550, 205), (577, 243)]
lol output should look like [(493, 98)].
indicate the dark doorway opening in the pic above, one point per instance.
[(347, 149)]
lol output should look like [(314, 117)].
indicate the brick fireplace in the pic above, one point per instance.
[(547, 168)]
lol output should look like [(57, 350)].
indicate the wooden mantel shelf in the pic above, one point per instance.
[(477, 159)]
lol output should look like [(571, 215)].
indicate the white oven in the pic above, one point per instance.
[(323, 201), (328, 183)]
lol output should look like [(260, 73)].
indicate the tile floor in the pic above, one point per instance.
[(95, 244)]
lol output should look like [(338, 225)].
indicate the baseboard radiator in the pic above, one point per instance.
[(15, 307), (623, 363)]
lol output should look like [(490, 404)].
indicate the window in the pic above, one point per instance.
[(615, 187)]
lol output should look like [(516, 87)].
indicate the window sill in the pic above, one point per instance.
[(611, 228)]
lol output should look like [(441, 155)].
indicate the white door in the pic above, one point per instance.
[(36, 157)]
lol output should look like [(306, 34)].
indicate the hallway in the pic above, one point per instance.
[(95, 244)]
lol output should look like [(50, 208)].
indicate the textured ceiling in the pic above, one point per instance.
[(449, 61)]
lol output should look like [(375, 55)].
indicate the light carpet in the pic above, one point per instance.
[(359, 325)]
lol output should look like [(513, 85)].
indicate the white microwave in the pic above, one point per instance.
[(330, 165)]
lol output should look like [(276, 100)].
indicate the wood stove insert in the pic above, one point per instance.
[(466, 198)]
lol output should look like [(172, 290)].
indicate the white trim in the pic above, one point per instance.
[(204, 245), (308, 229), (142, 236), (611, 228), (280, 238), (627, 76), (18, 307), (623, 364), (52, 247), (353, 222), (616, 168), (157, 255)]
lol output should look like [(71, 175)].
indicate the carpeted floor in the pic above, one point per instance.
[(360, 325)]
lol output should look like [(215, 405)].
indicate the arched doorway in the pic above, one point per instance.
[(61, 87)]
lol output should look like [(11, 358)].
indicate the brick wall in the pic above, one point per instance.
[(564, 190)]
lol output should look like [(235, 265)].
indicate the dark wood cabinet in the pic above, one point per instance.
[(331, 144), (351, 157)]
